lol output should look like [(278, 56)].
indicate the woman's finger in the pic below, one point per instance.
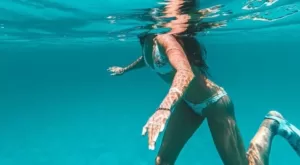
[(144, 131), (162, 127), (156, 134), (150, 137), (153, 136)]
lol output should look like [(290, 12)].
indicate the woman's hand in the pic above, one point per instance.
[(155, 125), (115, 70)]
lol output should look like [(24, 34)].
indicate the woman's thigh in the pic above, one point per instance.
[(225, 132), (180, 128)]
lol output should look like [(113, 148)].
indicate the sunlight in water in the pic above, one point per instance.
[(209, 20), (38, 21)]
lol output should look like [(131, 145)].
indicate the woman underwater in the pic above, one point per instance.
[(192, 98)]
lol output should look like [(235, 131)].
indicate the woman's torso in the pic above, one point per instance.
[(200, 88)]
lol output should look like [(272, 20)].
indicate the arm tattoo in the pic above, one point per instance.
[(136, 64)]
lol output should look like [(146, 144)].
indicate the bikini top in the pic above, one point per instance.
[(155, 57)]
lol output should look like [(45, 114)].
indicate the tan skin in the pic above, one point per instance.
[(185, 78), (196, 88), (183, 121), (182, 79)]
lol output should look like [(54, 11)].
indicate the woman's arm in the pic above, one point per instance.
[(184, 74), (138, 63)]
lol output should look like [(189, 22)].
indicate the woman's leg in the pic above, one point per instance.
[(181, 126), (273, 124), (225, 133), (228, 141), (260, 146)]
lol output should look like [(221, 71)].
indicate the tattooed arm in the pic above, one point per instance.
[(138, 63), (184, 74)]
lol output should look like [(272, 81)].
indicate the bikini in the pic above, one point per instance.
[(162, 66)]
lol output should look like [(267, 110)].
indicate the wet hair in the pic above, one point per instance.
[(142, 38), (195, 52), (188, 6)]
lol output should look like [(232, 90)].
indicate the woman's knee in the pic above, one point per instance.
[(157, 160), (161, 161)]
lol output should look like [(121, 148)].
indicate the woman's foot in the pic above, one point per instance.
[(285, 129)]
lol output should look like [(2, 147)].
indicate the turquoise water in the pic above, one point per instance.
[(59, 105)]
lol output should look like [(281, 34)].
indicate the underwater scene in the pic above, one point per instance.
[(185, 82)]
